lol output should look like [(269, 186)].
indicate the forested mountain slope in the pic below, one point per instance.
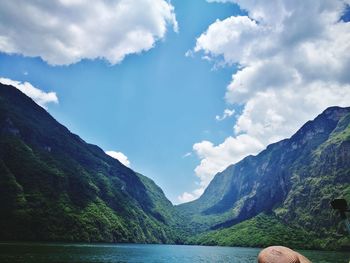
[(55, 186), (290, 184)]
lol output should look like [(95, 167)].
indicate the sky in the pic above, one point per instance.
[(178, 90)]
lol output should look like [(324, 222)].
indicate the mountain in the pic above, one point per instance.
[(282, 195), (54, 186)]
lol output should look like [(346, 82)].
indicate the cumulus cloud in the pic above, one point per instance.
[(223, 38), (121, 157), (62, 32), (40, 97), (293, 61), (227, 114), (215, 158), (188, 197)]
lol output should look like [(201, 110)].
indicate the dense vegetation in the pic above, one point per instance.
[(265, 230), (56, 187), (257, 232), (293, 181)]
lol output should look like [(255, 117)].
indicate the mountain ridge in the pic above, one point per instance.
[(286, 173), (56, 187)]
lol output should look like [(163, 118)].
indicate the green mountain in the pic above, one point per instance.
[(54, 186), (282, 195)]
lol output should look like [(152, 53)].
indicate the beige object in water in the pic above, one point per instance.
[(279, 254)]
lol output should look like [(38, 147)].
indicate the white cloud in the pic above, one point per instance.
[(226, 38), (272, 115), (187, 155), (63, 32), (121, 157), (189, 53), (227, 114), (215, 159), (40, 97), (188, 197), (293, 61)]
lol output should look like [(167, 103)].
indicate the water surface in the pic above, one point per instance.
[(87, 253)]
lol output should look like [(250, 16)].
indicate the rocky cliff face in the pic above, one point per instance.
[(294, 179)]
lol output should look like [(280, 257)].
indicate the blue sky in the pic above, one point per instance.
[(158, 107), (152, 106)]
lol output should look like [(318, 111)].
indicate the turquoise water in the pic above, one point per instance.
[(52, 252)]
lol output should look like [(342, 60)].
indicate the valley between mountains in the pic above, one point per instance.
[(56, 187)]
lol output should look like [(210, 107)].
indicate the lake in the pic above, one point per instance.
[(64, 252)]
